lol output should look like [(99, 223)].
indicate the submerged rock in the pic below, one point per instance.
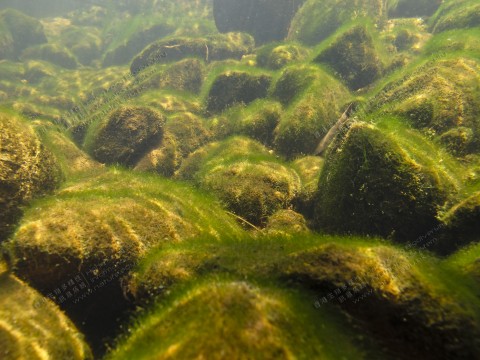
[(354, 57), (27, 170), (456, 14), (275, 56), (266, 20), (286, 223), (318, 19), (233, 87), (371, 184), (32, 327), (52, 53), (17, 32), (250, 181), (211, 48), (412, 8), (127, 134)]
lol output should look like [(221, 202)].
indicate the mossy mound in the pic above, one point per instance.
[(466, 261), (109, 222), (32, 327), (412, 8), (276, 56), (456, 14), (354, 57), (236, 320), (463, 223), (170, 101), (404, 38), (464, 41), (309, 168), (124, 53), (286, 223), (184, 75), (211, 48), (27, 170), (375, 183), (52, 53), (233, 87), (184, 133), (265, 20), (36, 71), (318, 19), (304, 123), (441, 95), (17, 32), (245, 176), (84, 43), (127, 134), (411, 313)]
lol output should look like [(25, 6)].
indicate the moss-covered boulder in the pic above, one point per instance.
[(309, 168), (17, 32), (249, 180), (27, 170), (125, 135), (275, 56), (52, 53), (286, 223), (463, 41), (456, 14), (353, 56), (237, 320), (411, 313), (32, 327), (412, 8), (184, 133), (233, 87), (36, 71), (123, 53), (211, 48), (264, 20), (375, 183), (84, 43), (441, 94), (462, 223), (109, 222), (318, 19), (317, 101)]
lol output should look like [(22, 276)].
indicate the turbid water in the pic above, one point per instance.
[(226, 179)]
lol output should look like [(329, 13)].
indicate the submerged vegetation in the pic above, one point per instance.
[(162, 194)]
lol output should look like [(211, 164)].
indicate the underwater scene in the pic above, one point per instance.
[(240, 179)]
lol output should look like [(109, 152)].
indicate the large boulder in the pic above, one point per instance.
[(52, 53), (17, 32), (375, 183), (265, 20), (126, 134), (456, 14), (412, 8), (27, 170)]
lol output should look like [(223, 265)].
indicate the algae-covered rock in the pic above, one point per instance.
[(462, 223), (275, 56), (412, 8), (309, 168), (109, 222), (233, 87), (441, 94), (286, 222), (411, 314), (265, 20), (184, 133), (373, 183), (237, 320), (17, 32), (458, 140), (354, 57), (318, 103), (211, 48), (126, 135), (250, 181), (27, 170), (36, 71), (32, 327), (52, 53), (84, 43), (318, 19), (124, 53), (456, 14)]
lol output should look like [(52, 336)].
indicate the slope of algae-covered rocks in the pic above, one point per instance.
[(27, 170), (384, 290), (33, 327)]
